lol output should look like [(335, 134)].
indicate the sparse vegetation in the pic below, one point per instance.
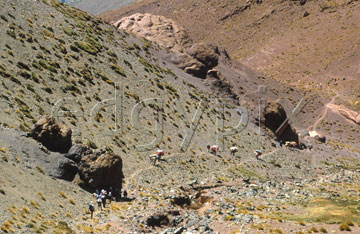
[(62, 194), (344, 227)]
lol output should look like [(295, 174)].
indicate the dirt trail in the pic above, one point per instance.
[(323, 115), (252, 159), (150, 166)]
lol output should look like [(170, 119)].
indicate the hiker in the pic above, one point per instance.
[(310, 146), (247, 180), (91, 209), (258, 153), (233, 150), (109, 197), (98, 200), (118, 194), (125, 193), (103, 197), (213, 149), (291, 144), (158, 155), (281, 143)]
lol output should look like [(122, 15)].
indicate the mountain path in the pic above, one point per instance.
[(151, 166), (323, 115)]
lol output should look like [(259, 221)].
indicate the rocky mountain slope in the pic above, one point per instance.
[(124, 94), (98, 7), (316, 41)]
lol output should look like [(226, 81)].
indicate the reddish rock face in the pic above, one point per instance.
[(55, 136)]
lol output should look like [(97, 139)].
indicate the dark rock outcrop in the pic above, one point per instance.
[(55, 136), (67, 169), (320, 138), (275, 116), (101, 170), (77, 151), (157, 220)]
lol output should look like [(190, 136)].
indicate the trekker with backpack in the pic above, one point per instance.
[(109, 197), (103, 197), (258, 153), (98, 200), (213, 149), (91, 209), (158, 155)]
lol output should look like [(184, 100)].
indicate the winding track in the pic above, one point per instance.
[(323, 115)]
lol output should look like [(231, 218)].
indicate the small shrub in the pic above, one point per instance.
[(31, 225), (87, 47), (116, 68), (276, 231), (344, 227), (68, 31), (313, 229), (26, 209), (349, 223), (42, 196), (323, 230), (72, 201), (35, 204), (40, 170), (63, 194), (91, 144)]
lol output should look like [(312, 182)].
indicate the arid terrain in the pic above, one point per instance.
[(296, 42), (176, 79)]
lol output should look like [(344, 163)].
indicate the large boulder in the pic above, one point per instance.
[(206, 54), (55, 136), (191, 65), (320, 138), (195, 59), (66, 170), (158, 219), (159, 29), (101, 170), (275, 116), (77, 151)]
